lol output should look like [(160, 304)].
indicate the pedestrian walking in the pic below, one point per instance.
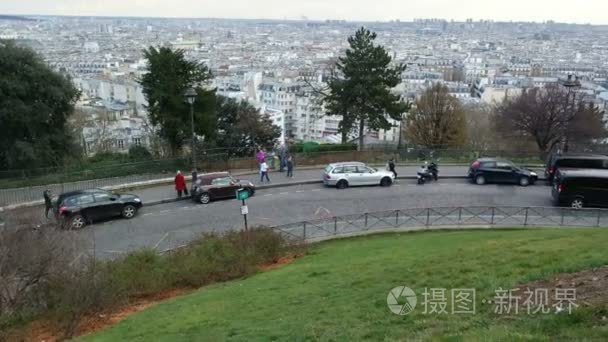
[(290, 167), (282, 157), (48, 202), (391, 166), (260, 156), (180, 184), (264, 172)]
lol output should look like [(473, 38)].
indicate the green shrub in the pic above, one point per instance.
[(309, 148), (140, 273), (139, 153)]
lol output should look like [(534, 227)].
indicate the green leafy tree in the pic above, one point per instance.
[(361, 88), (35, 104), (438, 119), (241, 127), (169, 75)]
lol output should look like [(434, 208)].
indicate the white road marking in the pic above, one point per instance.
[(267, 195), (283, 193), (147, 214), (315, 190), (299, 191)]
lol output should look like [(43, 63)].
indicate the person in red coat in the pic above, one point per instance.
[(180, 184)]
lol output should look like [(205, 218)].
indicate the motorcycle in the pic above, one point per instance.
[(428, 172)]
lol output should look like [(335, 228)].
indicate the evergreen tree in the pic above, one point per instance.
[(361, 89), (169, 75), (241, 127), (35, 103)]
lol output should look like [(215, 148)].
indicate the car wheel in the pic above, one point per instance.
[(577, 203), (480, 180), (129, 211), (524, 181), (77, 222), (342, 184), (204, 198), (386, 182)]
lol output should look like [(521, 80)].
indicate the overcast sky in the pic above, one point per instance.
[(578, 11)]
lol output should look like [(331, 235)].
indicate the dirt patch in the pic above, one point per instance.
[(279, 262), (45, 330), (590, 289)]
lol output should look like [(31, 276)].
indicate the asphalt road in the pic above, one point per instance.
[(162, 192), (169, 225)]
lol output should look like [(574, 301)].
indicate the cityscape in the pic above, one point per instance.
[(277, 66), (315, 170)]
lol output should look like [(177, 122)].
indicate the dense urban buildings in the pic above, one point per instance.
[(281, 67)]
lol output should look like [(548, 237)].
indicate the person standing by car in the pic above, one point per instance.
[(391, 166), (264, 172), (48, 202), (180, 184), (290, 167)]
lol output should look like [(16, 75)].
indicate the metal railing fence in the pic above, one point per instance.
[(451, 217)]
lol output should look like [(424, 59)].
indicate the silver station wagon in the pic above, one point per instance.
[(343, 175)]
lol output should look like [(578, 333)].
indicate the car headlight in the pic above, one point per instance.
[(137, 200), (533, 174), (250, 184)]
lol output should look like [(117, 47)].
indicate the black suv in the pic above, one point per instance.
[(218, 185), (492, 170), (557, 162), (581, 188), (77, 208)]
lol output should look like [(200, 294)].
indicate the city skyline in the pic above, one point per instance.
[(586, 11)]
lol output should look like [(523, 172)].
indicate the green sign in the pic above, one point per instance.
[(242, 194)]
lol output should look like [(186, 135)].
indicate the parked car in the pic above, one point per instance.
[(557, 162), (77, 208), (579, 188), (343, 175), (493, 170), (213, 186)]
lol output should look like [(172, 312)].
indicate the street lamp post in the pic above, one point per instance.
[(572, 84), (190, 96)]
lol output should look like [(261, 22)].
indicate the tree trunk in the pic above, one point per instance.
[(361, 134), (344, 136)]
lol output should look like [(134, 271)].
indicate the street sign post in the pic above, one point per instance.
[(242, 195)]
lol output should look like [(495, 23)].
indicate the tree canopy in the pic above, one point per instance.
[(240, 127), (169, 75), (35, 103), (360, 90), (551, 115), (438, 119)]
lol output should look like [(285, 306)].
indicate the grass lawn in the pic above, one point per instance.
[(338, 292)]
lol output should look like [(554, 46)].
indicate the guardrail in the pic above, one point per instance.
[(453, 217)]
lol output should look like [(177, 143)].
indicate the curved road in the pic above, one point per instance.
[(170, 225)]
